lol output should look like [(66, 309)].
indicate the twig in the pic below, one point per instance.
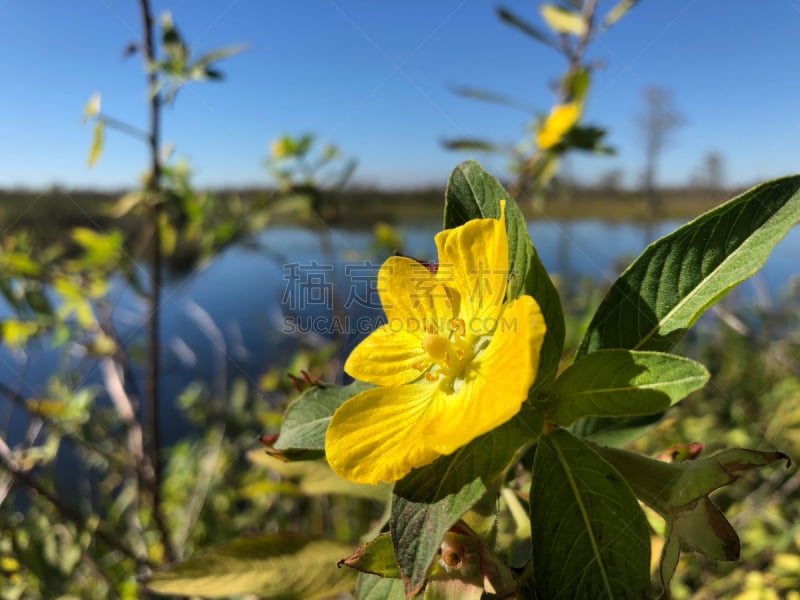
[(575, 56), (154, 188)]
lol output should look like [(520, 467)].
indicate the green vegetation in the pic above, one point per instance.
[(52, 211)]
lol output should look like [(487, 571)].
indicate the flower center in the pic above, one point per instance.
[(436, 346), (449, 355)]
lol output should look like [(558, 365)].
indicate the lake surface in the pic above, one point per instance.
[(232, 318)]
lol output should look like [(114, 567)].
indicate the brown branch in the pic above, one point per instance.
[(154, 189)]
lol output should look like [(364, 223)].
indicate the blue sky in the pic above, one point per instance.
[(374, 77)]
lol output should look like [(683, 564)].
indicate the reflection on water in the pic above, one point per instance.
[(231, 319)]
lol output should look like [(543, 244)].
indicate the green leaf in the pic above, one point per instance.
[(372, 587), (670, 555), (28, 458), (38, 301), (577, 85), (318, 479), (428, 501), (126, 204), (98, 138), (17, 264), (587, 138), (376, 557), (213, 74), (700, 528), (101, 345), (563, 21), (703, 528), (17, 333), (665, 486), (217, 55), (616, 13), (100, 248), (45, 407), (73, 301), (494, 97), (302, 435), (677, 278), (472, 144), (513, 20), (679, 493), (168, 234), (472, 193), (616, 383), (271, 566), (590, 537), (614, 431)]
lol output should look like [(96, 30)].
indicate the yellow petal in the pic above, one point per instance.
[(388, 357), (377, 435), (562, 118), (414, 301), (496, 383), (473, 259), (412, 297)]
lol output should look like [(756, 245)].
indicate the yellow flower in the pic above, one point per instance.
[(562, 118), (454, 360), (280, 148)]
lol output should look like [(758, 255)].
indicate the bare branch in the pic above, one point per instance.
[(154, 364)]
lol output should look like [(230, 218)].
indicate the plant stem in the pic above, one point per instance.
[(576, 57), (575, 53), (154, 190)]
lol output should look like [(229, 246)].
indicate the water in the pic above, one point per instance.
[(231, 319)]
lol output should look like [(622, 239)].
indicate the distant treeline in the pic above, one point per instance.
[(44, 210)]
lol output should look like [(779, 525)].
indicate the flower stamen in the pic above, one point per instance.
[(458, 326)]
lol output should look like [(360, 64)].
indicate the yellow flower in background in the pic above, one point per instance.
[(562, 118), (454, 360), (280, 148)]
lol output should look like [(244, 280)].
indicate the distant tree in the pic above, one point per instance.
[(610, 181), (711, 173), (656, 123)]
